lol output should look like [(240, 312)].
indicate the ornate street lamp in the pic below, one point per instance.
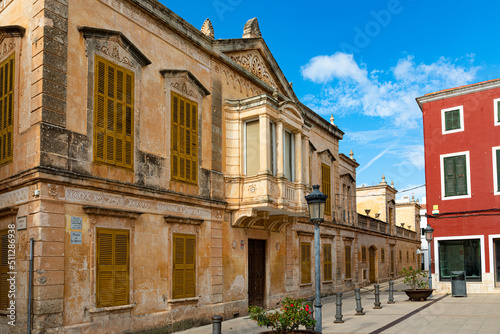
[(428, 236), (316, 202)]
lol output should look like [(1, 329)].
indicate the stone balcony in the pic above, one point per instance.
[(265, 201)]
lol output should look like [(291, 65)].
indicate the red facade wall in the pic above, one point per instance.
[(480, 135)]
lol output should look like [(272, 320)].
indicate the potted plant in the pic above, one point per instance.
[(419, 287), (292, 314)]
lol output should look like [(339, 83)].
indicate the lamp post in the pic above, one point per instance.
[(428, 236), (316, 202)]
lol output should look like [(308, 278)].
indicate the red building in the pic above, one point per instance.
[(462, 171)]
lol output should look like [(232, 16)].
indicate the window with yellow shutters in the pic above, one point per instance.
[(184, 282), (184, 145), (327, 262), (348, 262), (113, 114), (305, 262), (4, 269), (326, 187), (113, 274), (6, 109)]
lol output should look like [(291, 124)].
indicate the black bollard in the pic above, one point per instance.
[(216, 324), (377, 297), (359, 309), (309, 301), (391, 293), (338, 314)]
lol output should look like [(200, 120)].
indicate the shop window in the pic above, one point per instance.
[(458, 255)]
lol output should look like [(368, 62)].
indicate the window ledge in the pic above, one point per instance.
[(112, 308), (328, 282), (184, 300), (3, 312), (347, 279), (305, 284)]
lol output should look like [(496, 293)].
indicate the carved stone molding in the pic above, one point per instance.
[(327, 236), (253, 62), (14, 197), (115, 55), (121, 39), (208, 28), (182, 220), (7, 212), (99, 211), (252, 29), (237, 82), (305, 234), (186, 78)]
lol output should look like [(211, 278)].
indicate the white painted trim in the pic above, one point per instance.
[(464, 237), (490, 252), (467, 161), (496, 121), (443, 123), (495, 173)]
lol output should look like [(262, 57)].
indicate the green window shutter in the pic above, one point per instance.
[(326, 187), (113, 114), (449, 177), (461, 175), (498, 170), (6, 109), (498, 111), (4, 269), (184, 139), (184, 258), (452, 119), (112, 267)]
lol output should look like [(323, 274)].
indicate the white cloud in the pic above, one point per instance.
[(349, 88), (414, 154), (322, 69), (378, 156)]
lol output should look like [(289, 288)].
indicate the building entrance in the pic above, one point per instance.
[(373, 256), (256, 271), (497, 262)]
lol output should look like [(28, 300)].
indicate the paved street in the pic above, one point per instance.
[(477, 313)]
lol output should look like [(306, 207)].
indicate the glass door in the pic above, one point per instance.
[(497, 262)]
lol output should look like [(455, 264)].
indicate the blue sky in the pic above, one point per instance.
[(365, 62)]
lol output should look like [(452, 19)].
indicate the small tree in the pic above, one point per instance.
[(413, 277)]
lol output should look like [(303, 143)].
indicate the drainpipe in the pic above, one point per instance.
[(30, 286)]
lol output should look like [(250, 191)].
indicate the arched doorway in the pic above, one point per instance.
[(373, 258)]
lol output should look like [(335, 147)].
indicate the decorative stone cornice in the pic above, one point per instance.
[(327, 236), (11, 31), (119, 37), (182, 220), (208, 28), (252, 29), (9, 211), (253, 62), (189, 77), (99, 211)]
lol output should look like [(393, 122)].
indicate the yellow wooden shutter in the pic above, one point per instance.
[(6, 109), (184, 268), (112, 267), (305, 262), (363, 253), (348, 261), (326, 187), (113, 114), (382, 255), (4, 269), (327, 262), (184, 139)]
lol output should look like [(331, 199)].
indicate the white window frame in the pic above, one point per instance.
[(495, 176), (467, 162), (443, 120), (495, 112)]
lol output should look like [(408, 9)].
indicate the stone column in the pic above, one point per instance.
[(305, 165), (279, 150), (265, 145), (298, 157)]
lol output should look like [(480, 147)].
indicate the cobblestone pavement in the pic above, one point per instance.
[(476, 313)]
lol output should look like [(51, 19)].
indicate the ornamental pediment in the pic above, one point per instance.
[(253, 61)]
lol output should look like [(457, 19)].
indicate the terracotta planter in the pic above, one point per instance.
[(297, 331), (419, 294)]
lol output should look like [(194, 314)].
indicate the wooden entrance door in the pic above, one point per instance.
[(373, 255), (256, 271)]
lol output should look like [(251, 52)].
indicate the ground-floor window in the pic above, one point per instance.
[(458, 255), (4, 269)]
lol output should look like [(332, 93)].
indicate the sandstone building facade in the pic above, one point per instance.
[(161, 173)]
